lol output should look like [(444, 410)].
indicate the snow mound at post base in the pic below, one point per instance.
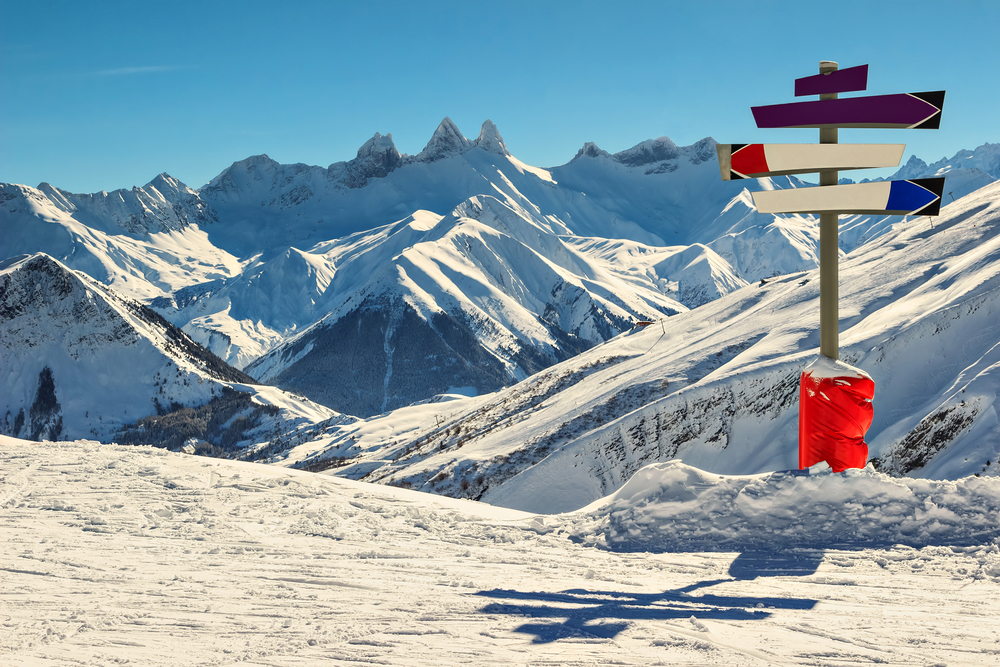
[(675, 507)]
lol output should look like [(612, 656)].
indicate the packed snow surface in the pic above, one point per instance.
[(116, 554)]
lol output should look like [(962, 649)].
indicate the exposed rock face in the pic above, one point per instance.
[(385, 356), (446, 141), (377, 158), (78, 357)]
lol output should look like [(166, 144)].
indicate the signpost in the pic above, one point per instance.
[(913, 111), (833, 81), (761, 160), (835, 399), (920, 196)]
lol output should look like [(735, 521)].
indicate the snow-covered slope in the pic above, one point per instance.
[(224, 562), (79, 360), (717, 386), (145, 243), (479, 298)]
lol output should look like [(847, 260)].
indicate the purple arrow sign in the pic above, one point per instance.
[(839, 81), (904, 110)]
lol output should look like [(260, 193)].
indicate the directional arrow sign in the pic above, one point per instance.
[(839, 81), (760, 160), (906, 110), (921, 196)]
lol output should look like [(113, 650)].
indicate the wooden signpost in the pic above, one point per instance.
[(920, 196), (829, 157), (912, 111), (760, 160), (834, 398)]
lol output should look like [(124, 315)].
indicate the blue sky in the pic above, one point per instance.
[(104, 95)]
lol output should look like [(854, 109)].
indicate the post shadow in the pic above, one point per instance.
[(790, 563), (604, 614)]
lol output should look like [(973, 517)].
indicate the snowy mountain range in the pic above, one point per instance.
[(717, 386), (388, 279)]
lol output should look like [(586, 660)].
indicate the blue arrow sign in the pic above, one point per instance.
[(919, 196)]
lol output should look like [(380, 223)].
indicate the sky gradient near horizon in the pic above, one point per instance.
[(105, 95)]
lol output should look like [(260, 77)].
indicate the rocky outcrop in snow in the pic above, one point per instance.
[(377, 158), (164, 204), (489, 139), (446, 141)]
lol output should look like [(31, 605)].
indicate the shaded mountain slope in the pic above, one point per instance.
[(81, 361)]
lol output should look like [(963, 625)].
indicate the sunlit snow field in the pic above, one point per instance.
[(137, 555)]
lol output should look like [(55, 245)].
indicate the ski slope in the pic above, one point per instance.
[(115, 555)]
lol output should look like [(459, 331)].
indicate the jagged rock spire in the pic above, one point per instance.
[(447, 140), (590, 149), (376, 159), (490, 140)]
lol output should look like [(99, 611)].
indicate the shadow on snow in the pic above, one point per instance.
[(604, 614)]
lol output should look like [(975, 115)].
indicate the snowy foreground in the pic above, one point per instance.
[(137, 555)]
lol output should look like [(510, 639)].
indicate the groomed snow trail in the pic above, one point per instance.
[(135, 555)]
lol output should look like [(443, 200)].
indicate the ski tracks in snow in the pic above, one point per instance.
[(116, 554)]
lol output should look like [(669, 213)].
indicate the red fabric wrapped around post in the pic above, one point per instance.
[(835, 411)]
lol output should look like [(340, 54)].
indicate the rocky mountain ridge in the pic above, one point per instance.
[(81, 361), (523, 265)]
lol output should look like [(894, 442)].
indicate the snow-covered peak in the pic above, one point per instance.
[(238, 174), (447, 140), (490, 140), (590, 149), (701, 151), (255, 162), (166, 185), (164, 204), (51, 191), (377, 158), (985, 158), (664, 149), (649, 151), (377, 147), (914, 168)]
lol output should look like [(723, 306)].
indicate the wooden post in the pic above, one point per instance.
[(829, 325)]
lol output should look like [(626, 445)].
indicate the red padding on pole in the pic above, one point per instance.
[(835, 411)]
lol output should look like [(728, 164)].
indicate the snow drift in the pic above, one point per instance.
[(675, 507)]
